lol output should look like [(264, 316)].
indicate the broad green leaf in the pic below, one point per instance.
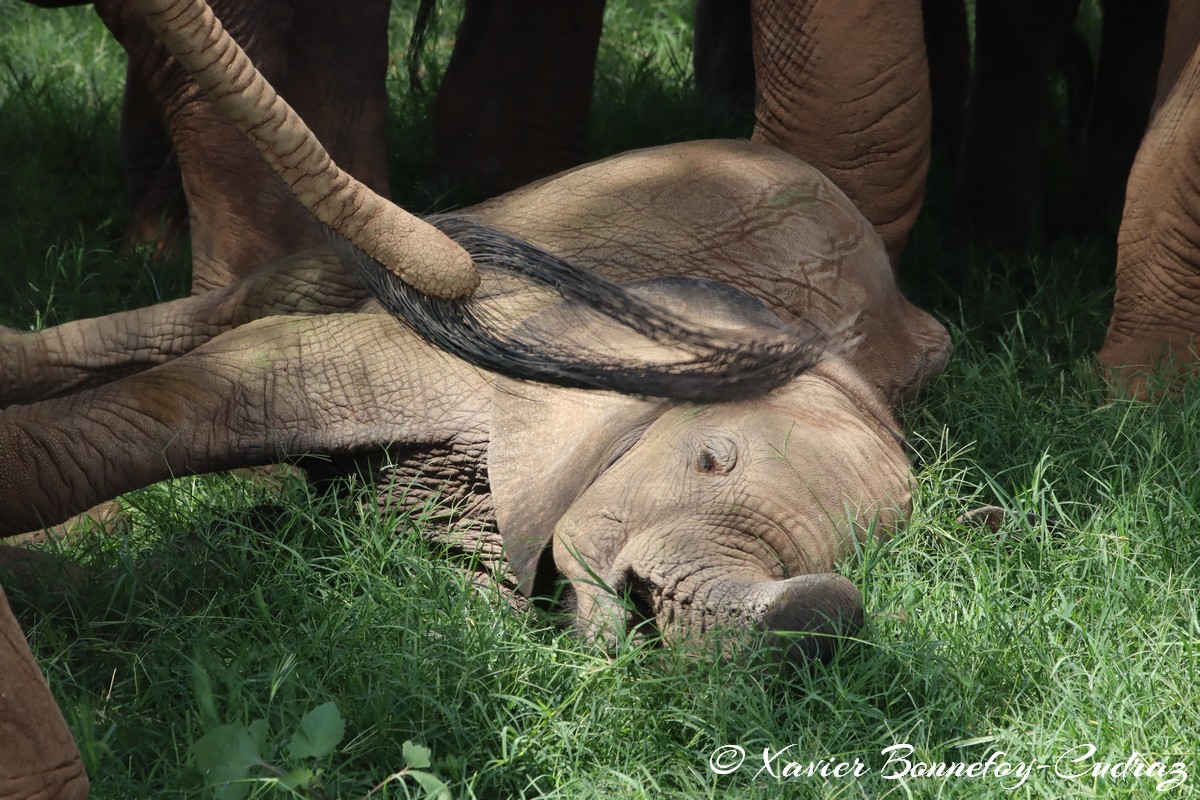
[(258, 733), (225, 755), (320, 731), (416, 756)]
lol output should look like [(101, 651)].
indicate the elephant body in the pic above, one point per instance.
[(355, 387), (742, 214), (698, 517)]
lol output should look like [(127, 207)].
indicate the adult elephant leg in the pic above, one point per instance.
[(1156, 310), (38, 757), (844, 85), (514, 101), (241, 216), (334, 385), (39, 365), (1016, 44), (152, 180), (413, 250), (1181, 40)]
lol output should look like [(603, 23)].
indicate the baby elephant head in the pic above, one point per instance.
[(686, 518)]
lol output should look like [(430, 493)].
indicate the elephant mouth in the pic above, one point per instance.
[(642, 605), (699, 580), (610, 613)]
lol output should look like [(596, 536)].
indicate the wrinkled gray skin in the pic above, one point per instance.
[(708, 516), (715, 516)]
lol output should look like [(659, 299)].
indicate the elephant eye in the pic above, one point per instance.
[(716, 457)]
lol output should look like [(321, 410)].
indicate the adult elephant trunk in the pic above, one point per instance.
[(415, 251)]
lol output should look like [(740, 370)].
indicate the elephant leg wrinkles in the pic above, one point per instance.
[(279, 387), (38, 365)]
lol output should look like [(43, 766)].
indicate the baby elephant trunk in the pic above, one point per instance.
[(807, 616), (802, 618)]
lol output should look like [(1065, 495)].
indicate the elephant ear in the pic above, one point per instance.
[(549, 444)]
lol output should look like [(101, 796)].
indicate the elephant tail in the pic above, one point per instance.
[(424, 24)]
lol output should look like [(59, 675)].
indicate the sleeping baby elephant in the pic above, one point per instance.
[(681, 518), (696, 517)]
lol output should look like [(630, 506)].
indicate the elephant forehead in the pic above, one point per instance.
[(787, 506), (798, 459), (811, 435), (776, 486)]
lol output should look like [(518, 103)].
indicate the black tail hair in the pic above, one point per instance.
[(424, 24), (720, 367)]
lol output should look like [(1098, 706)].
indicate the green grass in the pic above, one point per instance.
[(1076, 623), (62, 205)]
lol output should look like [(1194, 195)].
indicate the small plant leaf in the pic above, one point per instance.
[(296, 779), (416, 756), (320, 731), (433, 786), (202, 689), (225, 755)]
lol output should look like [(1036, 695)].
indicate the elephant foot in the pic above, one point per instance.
[(38, 757), (1146, 367), (1152, 346), (992, 518), (158, 231), (24, 567)]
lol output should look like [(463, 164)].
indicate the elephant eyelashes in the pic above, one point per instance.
[(716, 458)]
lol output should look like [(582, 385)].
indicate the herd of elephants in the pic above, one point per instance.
[(751, 438)]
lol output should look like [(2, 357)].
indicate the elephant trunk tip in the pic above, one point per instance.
[(811, 615)]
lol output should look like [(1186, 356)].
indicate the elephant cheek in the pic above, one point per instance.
[(584, 551)]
